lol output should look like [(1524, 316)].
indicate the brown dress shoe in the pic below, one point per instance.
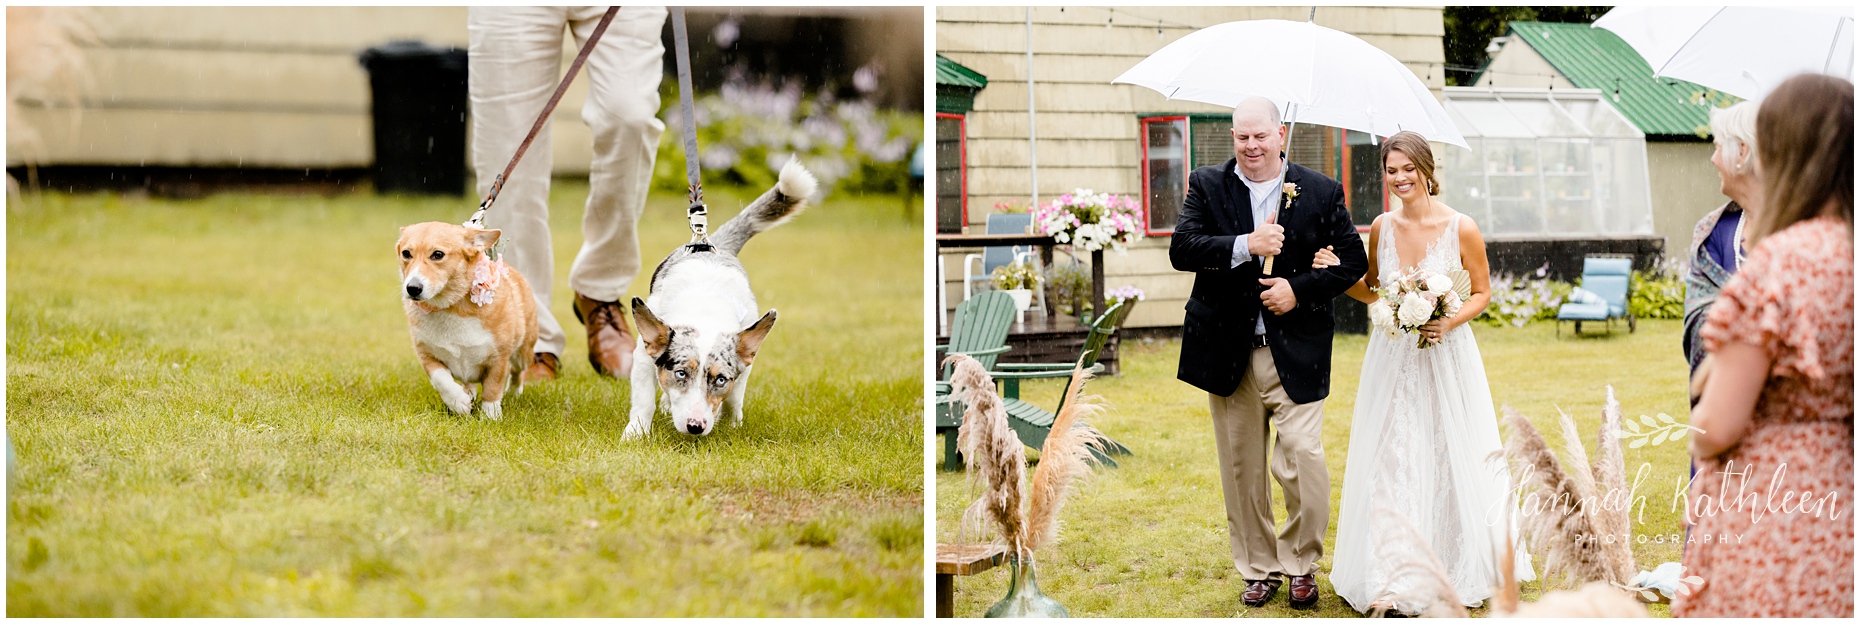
[(1304, 592), (610, 344), (543, 367), (1259, 592)]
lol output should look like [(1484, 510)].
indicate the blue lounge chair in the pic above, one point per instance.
[(1603, 296)]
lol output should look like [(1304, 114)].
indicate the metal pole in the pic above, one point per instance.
[(1033, 146)]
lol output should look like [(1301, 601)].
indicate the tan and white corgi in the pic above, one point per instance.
[(699, 327), (472, 318)]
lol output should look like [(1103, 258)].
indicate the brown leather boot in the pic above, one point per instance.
[(610, 343), (543, 367)]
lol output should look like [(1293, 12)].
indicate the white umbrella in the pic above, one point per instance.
[(1315, 74), (1744, 51)]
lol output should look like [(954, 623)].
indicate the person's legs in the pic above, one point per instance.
[(516, 57), (622, 110), (1240, 442), (1298, 465)]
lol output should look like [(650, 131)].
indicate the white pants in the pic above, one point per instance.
[(516, 62)]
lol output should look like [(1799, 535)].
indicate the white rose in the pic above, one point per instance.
[(1380, 314), (1438, 284), (1414, 310)]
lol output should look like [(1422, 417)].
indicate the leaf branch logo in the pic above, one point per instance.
[(1656, 431)]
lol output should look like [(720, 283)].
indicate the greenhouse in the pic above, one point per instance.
[(1546, 163)]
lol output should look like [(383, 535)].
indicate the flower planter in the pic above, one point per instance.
[(1023, 298)]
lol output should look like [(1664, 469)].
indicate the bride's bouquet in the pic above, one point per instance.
[(1417, 297)]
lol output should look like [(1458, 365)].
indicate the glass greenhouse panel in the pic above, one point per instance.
[(1543, 163), (1462, 181), (1622, 185), (1600, 119), (1490, 118)]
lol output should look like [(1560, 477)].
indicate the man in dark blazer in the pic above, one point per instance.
[(1259, 344)]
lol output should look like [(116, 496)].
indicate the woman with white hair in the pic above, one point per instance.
[(1717, 248)]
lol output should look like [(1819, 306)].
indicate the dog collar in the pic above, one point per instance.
[(486, 276)]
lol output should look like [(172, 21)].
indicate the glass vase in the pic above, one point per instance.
[(1024, 599)]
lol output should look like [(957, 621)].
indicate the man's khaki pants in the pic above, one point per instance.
[(1297, 462), (516, 62)]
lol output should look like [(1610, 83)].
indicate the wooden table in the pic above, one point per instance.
[(1045, 243), (953, 560)]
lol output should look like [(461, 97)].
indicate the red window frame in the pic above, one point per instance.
[(1188, 151), (962, 167)]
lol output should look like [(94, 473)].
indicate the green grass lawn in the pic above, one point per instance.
[(1150, 538), (217, 411)]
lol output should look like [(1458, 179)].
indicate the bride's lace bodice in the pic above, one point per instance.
[(1443, 254)]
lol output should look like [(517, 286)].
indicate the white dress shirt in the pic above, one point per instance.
[(1265, 196)]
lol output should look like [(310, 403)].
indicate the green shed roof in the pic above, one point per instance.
[(1594, 58), (953, 74)]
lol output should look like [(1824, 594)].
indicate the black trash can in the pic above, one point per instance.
[(419, 117)]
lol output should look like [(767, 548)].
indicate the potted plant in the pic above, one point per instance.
[(1127, 295), (1018, 280), (1071, 287)]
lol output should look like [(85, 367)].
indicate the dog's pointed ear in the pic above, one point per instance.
[(750, 340), (651, 329), (483, 239)]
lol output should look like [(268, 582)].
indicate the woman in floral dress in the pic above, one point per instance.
[(1771, 506)]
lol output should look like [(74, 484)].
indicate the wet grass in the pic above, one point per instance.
[(1149, 539), (216, 412)]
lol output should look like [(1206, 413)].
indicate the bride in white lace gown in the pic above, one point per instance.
[(1424, 425)]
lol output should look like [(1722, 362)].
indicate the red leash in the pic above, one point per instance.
[(477, 219)]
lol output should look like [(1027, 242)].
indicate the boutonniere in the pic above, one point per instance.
[(1290, 190)]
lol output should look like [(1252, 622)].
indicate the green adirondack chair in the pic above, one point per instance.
[(980, 331), (1031, 422)]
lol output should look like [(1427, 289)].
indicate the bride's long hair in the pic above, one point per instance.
[(1415, 146)]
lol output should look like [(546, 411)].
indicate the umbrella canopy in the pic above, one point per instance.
[(1315, 74), (1743, 51)]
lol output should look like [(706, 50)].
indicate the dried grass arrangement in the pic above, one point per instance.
[(996, 462), (1568, 519)]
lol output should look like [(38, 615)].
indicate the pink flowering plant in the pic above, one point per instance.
[(1122, 294), (1091, 221)]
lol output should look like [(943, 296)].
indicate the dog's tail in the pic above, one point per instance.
[(771, 209)]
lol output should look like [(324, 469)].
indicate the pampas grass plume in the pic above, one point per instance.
[(993, 452), (1065, 459)]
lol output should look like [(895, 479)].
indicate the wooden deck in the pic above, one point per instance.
[(1057, 339), (1044, 336)]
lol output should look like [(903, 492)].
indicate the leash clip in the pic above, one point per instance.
[(699, 218)]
